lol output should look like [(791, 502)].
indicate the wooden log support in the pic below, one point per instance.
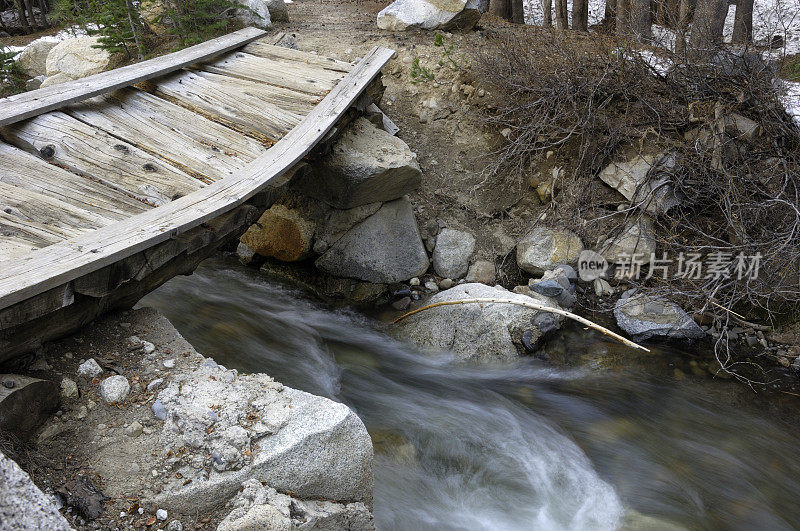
[(29, 104), (266, 49)]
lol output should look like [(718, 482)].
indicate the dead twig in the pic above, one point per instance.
[(534, 306)]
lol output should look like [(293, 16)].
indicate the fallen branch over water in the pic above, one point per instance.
[(534, 306)]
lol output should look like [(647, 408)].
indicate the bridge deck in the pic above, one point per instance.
[(96, 170)]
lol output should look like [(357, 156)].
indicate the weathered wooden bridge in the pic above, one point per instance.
[(112, 184)]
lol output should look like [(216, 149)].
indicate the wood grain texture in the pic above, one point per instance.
[(293, 101), (87, 151), (57, 264), (20, 168), (29, 104), (227, 105), (296, 75), (266, 49), (196, 145), (35, 207)]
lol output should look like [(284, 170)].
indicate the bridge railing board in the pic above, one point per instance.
[(60, 263), (29, 104)]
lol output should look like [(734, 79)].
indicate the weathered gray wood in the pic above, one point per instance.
[(35, 307), (227, 105), (30, 206), (293, 101), (58, 264), (29, 104), (296, 76), (20, 168), (27, 405), (196, 145), (265, 48), (85, 150), (38, 235)]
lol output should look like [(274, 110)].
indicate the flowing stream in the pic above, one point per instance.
[(521, 446)]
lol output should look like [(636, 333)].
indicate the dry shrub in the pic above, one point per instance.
[(588, 98)]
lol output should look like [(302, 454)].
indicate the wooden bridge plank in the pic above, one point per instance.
[(296, 76), (196, 145), (265, 48), (292, 101), (58, 264), (34, 234), (35, 207), (20, 168), (29, 104), (85, 150), (227, 105)]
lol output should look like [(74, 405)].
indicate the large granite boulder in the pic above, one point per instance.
[(366, 165), (452, 252), (22, 505), (251, 427), (77, 58), (480, 332), (544, 248), (33, 59), (257, 14), (384, 248), (277, 10), (430, 14), (643, 317)]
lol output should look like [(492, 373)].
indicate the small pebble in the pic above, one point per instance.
[(161, 514), (147, 347), (82, 412), (446, 283), (134, 429), (169, 364), (155, 383), (90, 368), (431, 286), (159, 410), (413, 282), (8, 383), (141, 510)]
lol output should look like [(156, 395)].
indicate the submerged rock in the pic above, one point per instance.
[(384, 248), (644, 317), (431, 14), (22, 504), (544, 248), (477, 332)]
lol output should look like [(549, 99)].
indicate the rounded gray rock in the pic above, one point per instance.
[(114, 389), (452, 253)]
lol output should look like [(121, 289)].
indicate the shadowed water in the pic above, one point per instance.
[(521, 446)]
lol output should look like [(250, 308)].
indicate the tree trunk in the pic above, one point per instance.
[(641, 20), (22, 19), (610, 15), (562, 18), (623, 30), (517, 12), (743, 22), (709, 21), (580, 15), (500, 8), (547, 11), (684, 15)]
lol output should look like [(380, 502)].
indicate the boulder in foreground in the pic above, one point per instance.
[(22, 504)]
